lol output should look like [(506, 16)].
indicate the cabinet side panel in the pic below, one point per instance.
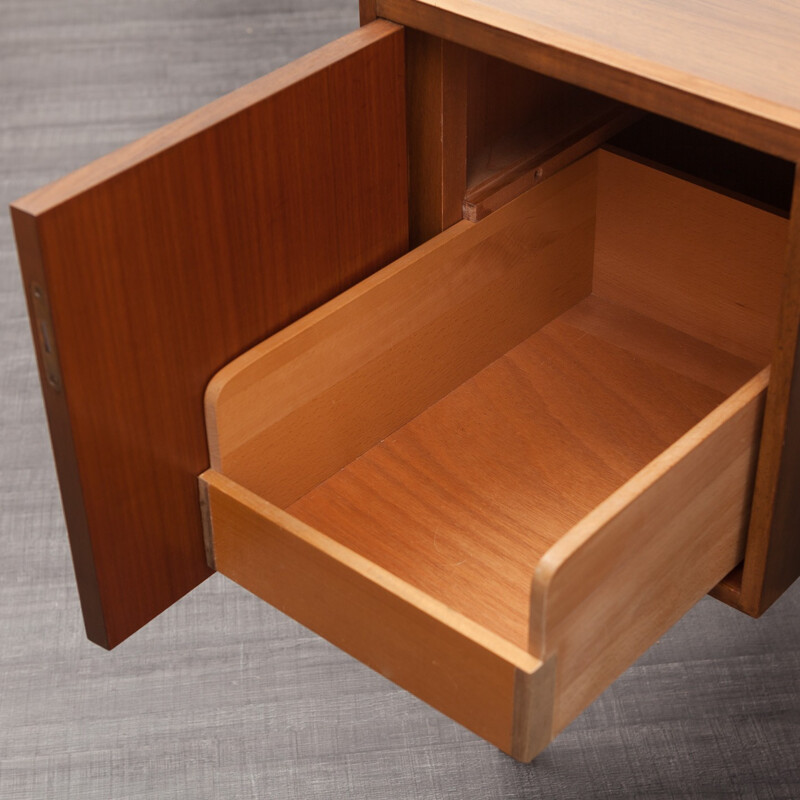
[(169, 258), (772, 559)]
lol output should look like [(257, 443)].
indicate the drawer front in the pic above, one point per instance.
[(497, 690), (157, 264)]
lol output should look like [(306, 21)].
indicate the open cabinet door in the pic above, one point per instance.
[(149, 269)]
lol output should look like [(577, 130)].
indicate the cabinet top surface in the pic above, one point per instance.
[(744, 53)]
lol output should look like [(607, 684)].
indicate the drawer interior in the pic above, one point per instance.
[(465, 499), (475, 417)]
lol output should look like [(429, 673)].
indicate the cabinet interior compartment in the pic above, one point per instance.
[(505, 421), (749, 175), (521, 127)]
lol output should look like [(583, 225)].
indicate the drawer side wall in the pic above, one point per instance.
[(642, 559)]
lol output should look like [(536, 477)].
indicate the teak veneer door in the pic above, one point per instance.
[(149, 269)]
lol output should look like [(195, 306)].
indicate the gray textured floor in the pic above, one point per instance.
[(221, 697)]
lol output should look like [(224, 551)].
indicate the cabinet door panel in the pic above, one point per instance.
[(149, 269)]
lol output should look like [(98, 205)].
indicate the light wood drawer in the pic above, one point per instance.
[(497, 470)]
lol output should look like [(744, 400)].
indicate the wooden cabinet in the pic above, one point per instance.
[(494, 392)]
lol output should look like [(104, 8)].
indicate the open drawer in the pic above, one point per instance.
[(500, 468)]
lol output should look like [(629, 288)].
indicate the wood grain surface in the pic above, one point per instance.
[(744, 300), (726, 68), (163, 260), (464, 500), (727, 167), (517, 121), (642, 564), (436, 76), (320, 393), (508, 104), (714, 266), (772, 561), (525, 158), (618, 385), (367, 11), (222, 696), (746, 48), (639, 561), (447, 660)]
